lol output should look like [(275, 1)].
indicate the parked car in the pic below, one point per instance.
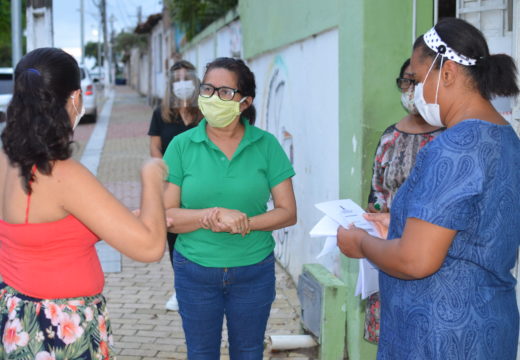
[(6, 91), (97, 74), (88, 88)]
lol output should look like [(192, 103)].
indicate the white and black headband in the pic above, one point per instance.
[(434, 42)]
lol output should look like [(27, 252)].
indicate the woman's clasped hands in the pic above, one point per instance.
[(226, 220)]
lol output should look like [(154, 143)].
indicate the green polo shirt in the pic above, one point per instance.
[(208, 179)]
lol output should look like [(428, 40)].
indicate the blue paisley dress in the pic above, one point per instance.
[(467, 179)]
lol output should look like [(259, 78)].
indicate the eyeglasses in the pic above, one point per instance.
[(224, 93), (404, 83)]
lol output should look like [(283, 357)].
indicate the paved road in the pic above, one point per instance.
[(143, 329)]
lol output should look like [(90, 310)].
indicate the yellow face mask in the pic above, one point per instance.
[(219, 113)]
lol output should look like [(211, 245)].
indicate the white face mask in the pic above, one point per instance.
[(431, 113), (79, 114), (407, 100), (183, 89)]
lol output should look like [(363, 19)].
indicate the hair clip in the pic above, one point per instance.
[(34, 71)]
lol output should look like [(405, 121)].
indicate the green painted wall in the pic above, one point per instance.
[(288, 21), (375, 38)]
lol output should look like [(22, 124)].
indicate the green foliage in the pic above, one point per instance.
[(194, 15), (91, 51), (5, 21), (5, 32), (125, 41)]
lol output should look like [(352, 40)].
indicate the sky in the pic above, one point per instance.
[(66, 19)]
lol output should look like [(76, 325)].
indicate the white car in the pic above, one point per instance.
[(88, 88), (6, 90), (97, 74)]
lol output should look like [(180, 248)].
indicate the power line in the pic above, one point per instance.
[(121, 15)]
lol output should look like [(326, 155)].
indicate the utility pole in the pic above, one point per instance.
[(99, 49), (139, 14), (16, 31), (108, 61), (40, 31), (110, 49), (82, 30)]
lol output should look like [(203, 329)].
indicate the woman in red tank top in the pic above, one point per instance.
[(52, 212)]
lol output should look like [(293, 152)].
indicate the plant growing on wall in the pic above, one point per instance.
[(194, 15)]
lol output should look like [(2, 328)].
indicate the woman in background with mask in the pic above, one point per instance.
[(222, 174), (445, 279), (394, 159), (177, 113), (53, 211), (398, 146)]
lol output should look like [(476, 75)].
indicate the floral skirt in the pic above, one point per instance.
[(372, 317), (74, 328)]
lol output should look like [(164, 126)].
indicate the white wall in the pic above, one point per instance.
[(502, 37), (297, 101), (158, 58), (227, 41), (144, 74)]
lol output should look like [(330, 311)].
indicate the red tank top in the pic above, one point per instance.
[(50, 260)]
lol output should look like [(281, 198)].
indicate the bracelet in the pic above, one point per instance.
[(249, 223)]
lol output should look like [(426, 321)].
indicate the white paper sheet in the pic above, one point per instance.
[(325, 227), (346, 212), (368, 279), (329, 246)]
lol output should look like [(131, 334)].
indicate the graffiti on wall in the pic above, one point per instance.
[(276, 106)]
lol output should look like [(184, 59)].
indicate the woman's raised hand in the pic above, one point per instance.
[(155, 168)]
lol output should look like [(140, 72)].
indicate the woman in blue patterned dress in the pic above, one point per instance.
[(446, 286)]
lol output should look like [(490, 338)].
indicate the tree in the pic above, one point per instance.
[(5, 32), (194, 15), (125, 41), (91, 51)]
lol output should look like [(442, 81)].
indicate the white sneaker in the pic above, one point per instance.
[(172, 303)]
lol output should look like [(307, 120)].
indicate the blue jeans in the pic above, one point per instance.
[(205, 294)]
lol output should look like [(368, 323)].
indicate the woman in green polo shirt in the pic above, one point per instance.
[(222, 174)]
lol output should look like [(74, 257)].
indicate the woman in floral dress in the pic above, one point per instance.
[(52, 213)]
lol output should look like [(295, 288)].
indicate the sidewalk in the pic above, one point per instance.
[(142, 328)]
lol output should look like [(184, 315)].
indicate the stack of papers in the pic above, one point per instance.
[(345, 212)]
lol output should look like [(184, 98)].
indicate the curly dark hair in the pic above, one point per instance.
[(38, 128)]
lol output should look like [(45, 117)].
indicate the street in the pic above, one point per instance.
[(136, 296)]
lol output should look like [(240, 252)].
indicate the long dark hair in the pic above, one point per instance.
[(245, 81), (38, 129), (171, 114), (492, 75)]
